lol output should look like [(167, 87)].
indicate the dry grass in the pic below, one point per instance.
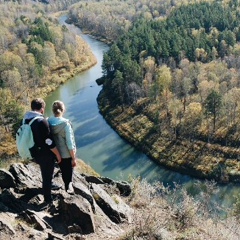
[(6, 162), (161, 213), (84, 168)]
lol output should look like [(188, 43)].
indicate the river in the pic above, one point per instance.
[(100, 146)]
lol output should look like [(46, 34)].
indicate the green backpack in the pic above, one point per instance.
[(24, 139)]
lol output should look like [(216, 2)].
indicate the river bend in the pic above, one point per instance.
[(99, 145)]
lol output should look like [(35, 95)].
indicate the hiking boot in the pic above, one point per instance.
[(70, 189)]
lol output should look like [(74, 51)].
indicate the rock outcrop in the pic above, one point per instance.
[(96, 210)]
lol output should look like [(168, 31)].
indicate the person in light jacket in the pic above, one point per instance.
[(63, 135)]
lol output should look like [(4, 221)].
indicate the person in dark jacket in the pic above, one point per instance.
[(45, 153), (63, 135)]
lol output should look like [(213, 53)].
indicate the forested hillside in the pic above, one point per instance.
[(109, 19), (172, 88), (36, 55), (171, 80)]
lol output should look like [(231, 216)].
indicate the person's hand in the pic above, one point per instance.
[(74, 162), (57, 154), (59, 159)]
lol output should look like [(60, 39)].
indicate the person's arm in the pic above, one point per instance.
[(70, 141), (56, 152), (73, 156)]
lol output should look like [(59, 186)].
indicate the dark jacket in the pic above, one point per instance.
[(41, 133)]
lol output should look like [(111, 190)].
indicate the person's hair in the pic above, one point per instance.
[(37, 104), (58, 107)]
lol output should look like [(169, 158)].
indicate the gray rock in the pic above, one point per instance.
[(77, 212), (26, 175), (34, 219), (113, 208), (107, 180), (5, 225), (81, 189), (93, 179), (124, 188), (90, 210), (104, 224), (3, 207), (74, 228)]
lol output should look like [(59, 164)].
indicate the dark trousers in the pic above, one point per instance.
[(46, 164), (67, 171)]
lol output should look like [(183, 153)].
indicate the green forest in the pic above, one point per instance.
[(185, 65), (174, 80)]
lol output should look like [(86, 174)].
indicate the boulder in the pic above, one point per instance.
[(80, 188), (26, 176), (35, 219), (77, 213), (95, 208), (124, 188), (116, 210)]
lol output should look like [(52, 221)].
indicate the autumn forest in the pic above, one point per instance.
[(171, 81), (170, 77), (36, 55), (170, 87)]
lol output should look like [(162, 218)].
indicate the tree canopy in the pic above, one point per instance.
[(186, 62), (36, 53)]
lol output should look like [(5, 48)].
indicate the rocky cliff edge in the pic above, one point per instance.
[(96, 210)]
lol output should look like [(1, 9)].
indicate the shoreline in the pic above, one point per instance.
[(197, 159)]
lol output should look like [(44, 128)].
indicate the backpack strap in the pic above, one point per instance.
[(30, 123)]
